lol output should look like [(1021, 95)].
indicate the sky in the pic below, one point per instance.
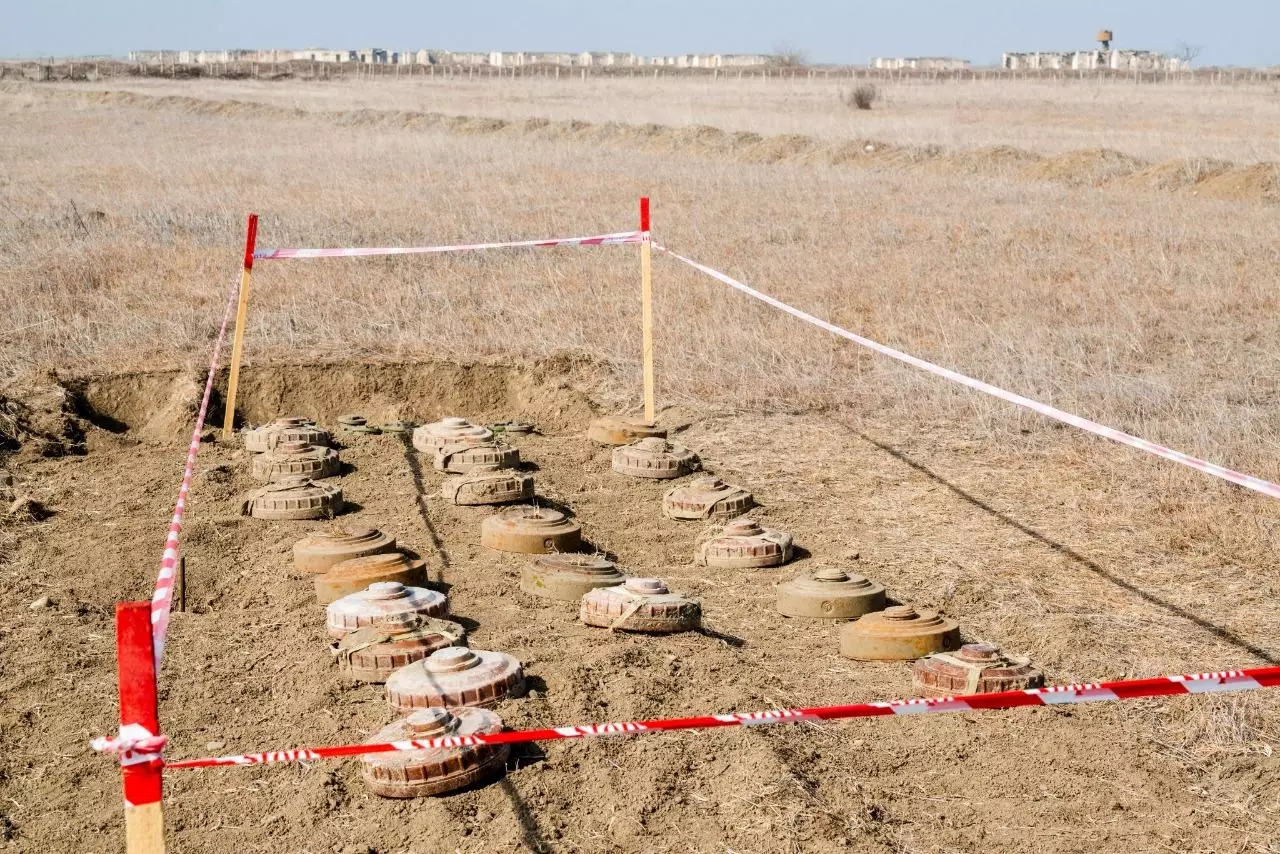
[(1230, 32)]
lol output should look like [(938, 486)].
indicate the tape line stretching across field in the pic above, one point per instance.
[(1257, 484)]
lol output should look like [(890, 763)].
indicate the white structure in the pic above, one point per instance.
[(921, 63), (1093, 60)]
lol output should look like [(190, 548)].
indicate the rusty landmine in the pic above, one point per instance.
[(530, 530), (706, 498), (830, 594), (430, 438), (434, 771), (323, 550), (654, 458), (357, 424), (462, 459), (977, 668), (640, 605), (356, 574), (488, 485), (379, 602), (293, 498), (613, 430), (295, 459), (397, 426), (456, 676), (743, 544), (898, 633), (371, 653), (293, 428), (568, 577)]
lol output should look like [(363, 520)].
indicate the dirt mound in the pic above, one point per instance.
[(990, 160), (1090, 167), (1174, 174), (1260, 182), (38, 416), (773, 149)]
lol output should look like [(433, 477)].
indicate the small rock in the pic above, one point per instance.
[(42, 603), (535, 695), (214, 745)]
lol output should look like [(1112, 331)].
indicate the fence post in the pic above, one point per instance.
[(646, 311), (242, 312), (140, 774)]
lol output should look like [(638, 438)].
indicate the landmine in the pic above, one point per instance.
[(356, 574), (456, 676), (379, 602), (430, 438), (613, 430), (830, 593), (654, 458), (530, 530), (295, 459), (293, 498), (434, 771), (898, 633), (357, 424), (371, 653), (323, 550), (640, 605), (513, 428), (706, 498), (743, 544), (488, 485), (463, 459), (398, 425), (293, 428), (977, 668), (568, 577)]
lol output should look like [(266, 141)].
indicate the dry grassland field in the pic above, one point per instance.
[(1108, 248)]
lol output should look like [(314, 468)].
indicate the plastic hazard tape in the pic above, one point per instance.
[(162, 599), (1160, 686), (1257, 484), (597, 240)]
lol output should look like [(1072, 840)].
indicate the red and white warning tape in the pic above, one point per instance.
[(1257, 484), (1160, 686), (597, 240), (162, 599)]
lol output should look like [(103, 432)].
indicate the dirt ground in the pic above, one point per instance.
[(1095, 561)]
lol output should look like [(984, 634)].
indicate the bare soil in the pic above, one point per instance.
[(1089, 559)]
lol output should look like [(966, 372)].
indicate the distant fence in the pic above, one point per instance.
[(89, 70)]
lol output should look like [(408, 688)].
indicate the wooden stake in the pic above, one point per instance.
[(182, 583), (142, 781), (242, 311), (646, 312)]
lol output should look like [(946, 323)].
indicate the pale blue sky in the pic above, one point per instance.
[(1232, 32)]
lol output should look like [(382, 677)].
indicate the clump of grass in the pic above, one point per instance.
[(862, 97)]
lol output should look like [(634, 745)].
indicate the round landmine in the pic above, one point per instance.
[(398, 425), (898, 633), (640, 605), (743, 544), (293, 428), (370, 654), (568, 577), (488, 485), (461, 459), (706, 498), (976, 668), (456, 676), (430, 438), (613, 430), (293, 498), (357, 424), (295, 459), (513, 428), (530, 530), (654, 458), (356, 574), (829, 593), (321, 551), (434, 770), (379, 602)]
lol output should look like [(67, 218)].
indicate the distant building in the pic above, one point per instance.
[(1093, 60), (921, 63)]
